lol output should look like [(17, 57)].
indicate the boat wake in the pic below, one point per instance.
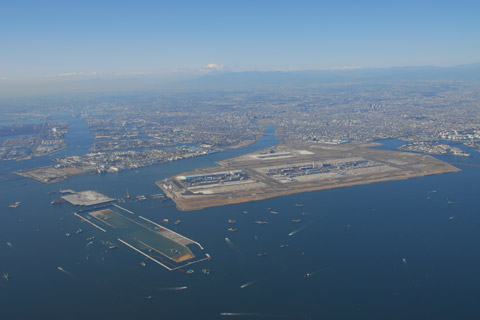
[(67, 273), (311, 274), (253, 314), (235, 249), (248, 284), (301, 228), (173, 288)]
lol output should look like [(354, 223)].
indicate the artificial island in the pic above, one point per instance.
[(146, 237), (294, 168)]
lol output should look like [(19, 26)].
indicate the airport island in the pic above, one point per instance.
[(294, 168)]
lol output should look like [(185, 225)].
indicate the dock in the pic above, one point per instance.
[(144, 254), (115, 205), (88, 221)]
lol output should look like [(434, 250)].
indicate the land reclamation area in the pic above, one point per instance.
[(293, 168)]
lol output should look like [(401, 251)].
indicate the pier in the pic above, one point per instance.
[(86, 220), (144, 254), (115, 205)]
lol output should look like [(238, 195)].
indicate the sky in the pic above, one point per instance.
[(48, 40)]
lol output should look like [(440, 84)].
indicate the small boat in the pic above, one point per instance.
[(296, 220), (79, 231), (284, 246), (261, 222), (15, 204), (165, 220), (262, 254), (190, 271), (231, 221), (6, 276), (245, 212), (113, 247), (298, 205), (307, 275), (67, 234), (178, 222), (143, 264), (206, 271), (273, 212), (90, 238), (232, 229), (306, 213)]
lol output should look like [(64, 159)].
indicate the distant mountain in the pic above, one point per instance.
[(219, 80), (470, 72)]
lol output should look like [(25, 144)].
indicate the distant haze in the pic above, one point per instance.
[(233, 80), (80, 46)]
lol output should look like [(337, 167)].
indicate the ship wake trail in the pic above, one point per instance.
[(235, 249), (67, 273), (248, 284), (253, 314), (301, 228), (173, 288), (319, 270)]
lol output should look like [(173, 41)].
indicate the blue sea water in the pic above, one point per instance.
[(353, 244)]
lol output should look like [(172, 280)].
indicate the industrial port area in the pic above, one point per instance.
[(24, 142), (294, 168)]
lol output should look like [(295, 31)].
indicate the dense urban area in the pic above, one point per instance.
[(132, 131)]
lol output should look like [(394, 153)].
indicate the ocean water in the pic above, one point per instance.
[(406, 249)]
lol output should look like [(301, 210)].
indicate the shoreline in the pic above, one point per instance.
[(334, 166)]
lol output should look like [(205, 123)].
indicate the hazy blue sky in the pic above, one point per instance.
[(107, 38)]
